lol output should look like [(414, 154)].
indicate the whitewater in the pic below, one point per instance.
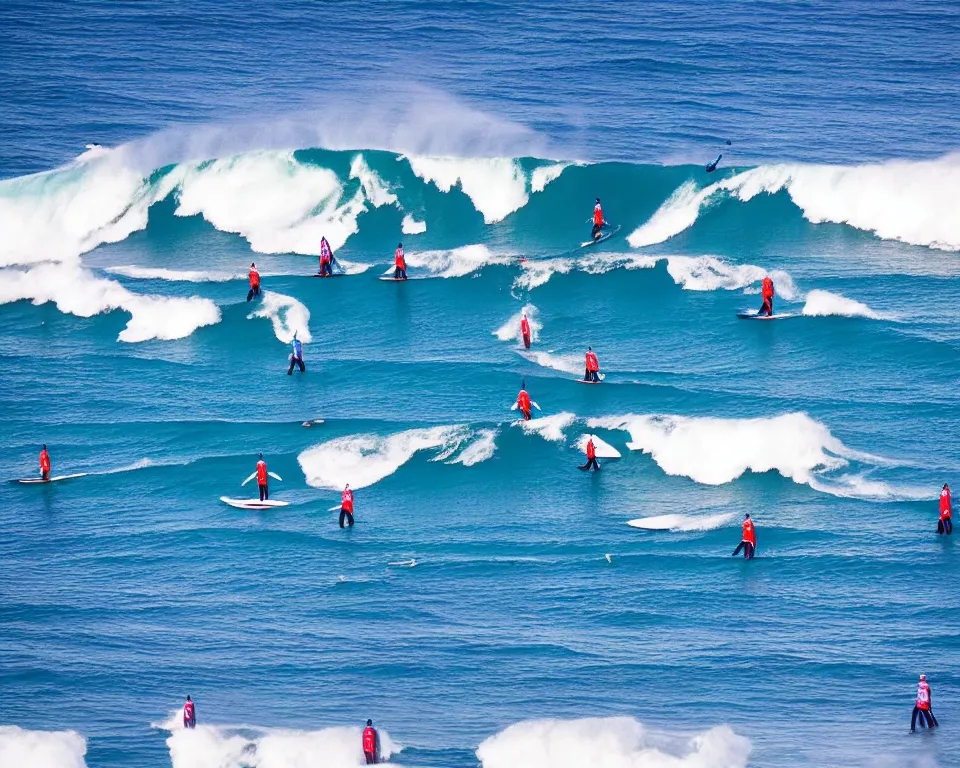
[(492, 605)]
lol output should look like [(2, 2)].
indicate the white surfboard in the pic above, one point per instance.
[(602, 238), (253, 503), (34, 480), (758, 316), (600, 376)]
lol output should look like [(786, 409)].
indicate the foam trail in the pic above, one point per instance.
[(545, 174), (510, 330), (363, 460), (604, 449), (374, 188), (456, 262), (715, 451), (682, 523), (78, 292), (708, 273), (287, 314), (20, 748), (537, 273), (495, 185), (914, 202), (410, 226), (276, 203), (175, 275), (549, 427), (478, 451), (823, 303), (252, 747), (566, 363), (613, 742)]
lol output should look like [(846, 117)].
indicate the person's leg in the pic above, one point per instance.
[(303, 368), (913, 719), (396, 273), (948, 525), (45, 475), (350, 519), (290, 369), (940, 527), (748, 551), (932, 718), (343, 514), (250, 294), (739, 547)]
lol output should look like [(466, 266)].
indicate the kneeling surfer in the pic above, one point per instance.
[(371, 744), (400, 266), (945, 525), (254, 282), (346, 506), (591, 456), (296, 357), (748, 542)]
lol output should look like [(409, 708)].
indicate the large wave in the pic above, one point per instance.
[(79, 292), (613, 742), (288, 316), (715, 451), (915, 202), (20, 748)]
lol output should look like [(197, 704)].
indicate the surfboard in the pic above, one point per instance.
[(335, 274), (757, 316), (394, 279), (601, 376), (603, 237), (253, 503), (35, 480)]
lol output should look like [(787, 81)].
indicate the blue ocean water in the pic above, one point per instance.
[(491, 605)]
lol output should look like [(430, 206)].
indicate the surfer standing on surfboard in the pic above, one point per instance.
[(326, 258), (523, 401), (45, 464), (525, 330), (400, 266), (262, 479), (296, 356), (766, 290), (748, 542), (944, 525), (254, 282), (346, 506), (598, 221), (592, 373), (591, 456)]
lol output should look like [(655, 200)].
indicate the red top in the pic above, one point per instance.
[(398, 259), (346, 500), (262, 472), (591, 450), (945, 510), (592, 363), (254, 278), (923, 695), (523, 400), (749, 534), (45, 462), (188, 711), (524, 327), (597, 215), (767, 288), (369, 740)]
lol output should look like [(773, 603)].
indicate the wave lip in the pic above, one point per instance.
[(682, 523), (456, 262), (612, 742), (824, 303), (287, 315), (77, 291), (20, 748), (549, 427), (510, 330)]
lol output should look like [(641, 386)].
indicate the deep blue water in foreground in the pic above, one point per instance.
[(479, 134)]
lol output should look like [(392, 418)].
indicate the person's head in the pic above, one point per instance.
[(944, 485), (346, 487), (295, 335), (598, 201), (260, 455), (746, 516), (252, 265), (923, 678), (188, 697), (45, 448), (589, 349), (399, 245), (369, 723)]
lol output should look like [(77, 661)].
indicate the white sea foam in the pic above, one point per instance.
[(363, 460), (614, 742), (252, 747), (568, 363), (549, 427), (510, 330), (481, 449), (604, 449), (21, 748), (495, 185), (544, 174), (536, 273), (374, 188), (708, 273), (915, 202), (78, 292), (822, 303), (682, 523), (287, 314), (715, 451), (410, 226), (175, 275), (456, 262)]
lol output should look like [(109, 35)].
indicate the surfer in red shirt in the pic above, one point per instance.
[(945, 525), (254, 282), (189, 714), (262, 479), (346, 506), (592, 373), (598, 221), (591, 456), (45, 464), (748, 543), (400, 265), (371, 744), (525, 330), (766, 290), (523, 401)]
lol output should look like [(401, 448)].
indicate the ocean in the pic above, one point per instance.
[(491, 607)]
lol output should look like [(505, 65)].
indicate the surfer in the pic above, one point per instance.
[(598, 221), (346, 506), (189, 714), (766, 290), (254, 282), (592, 373), (713, 166), (45, 465), (591, 456), (748, 543), (262, 479), (923, 707), (400, 266), (945, 525), (326, 258), (371, 744), (523, 401), (296, 357), (525, 330)]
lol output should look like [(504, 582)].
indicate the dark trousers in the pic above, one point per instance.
[(254, 291), (45, 474), (325, 268), (296, 361), (526, 415), (747, 548), (264, 493), (945, 526), (767, 307), (526, 341), (925, 714), (591, 376), (591, 463), (595, 232), (190, 723), (370, 757), (348, 516), (399, 273)]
